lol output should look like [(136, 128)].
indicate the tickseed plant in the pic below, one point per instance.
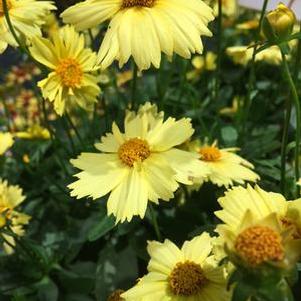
[(149, 150)]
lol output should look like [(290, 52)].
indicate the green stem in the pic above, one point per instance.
[(11, 27), (155, 223), (219, 49), (134, 86), (288, 112), (7, 113), (295, 98), (252, 77), (75, 129)]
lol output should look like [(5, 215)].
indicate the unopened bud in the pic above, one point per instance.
[(278, 24)]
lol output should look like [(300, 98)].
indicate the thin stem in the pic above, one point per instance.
[(11, 27), (7, 113), (252, 77), (219, 49), (155, 223), (288, 112), (74, 128), (296, 102), (134, 85)]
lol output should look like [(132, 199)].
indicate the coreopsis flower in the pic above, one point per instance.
[(260, 203), (248, 25), (6, 141), (34, 132), (71, 80), (140, 165), (189, 273), (256, 242), (231, 111), (226, 167), (201, 63), (26, 16), (230, 7), (144, 28), (11, 196), (279, 23), (242, 55)]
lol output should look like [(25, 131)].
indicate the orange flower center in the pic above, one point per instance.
[(115, 296), (186, 279), (134, 150), (210, 153), (70, 72), (259, 244), (132, 3), (9, 6)]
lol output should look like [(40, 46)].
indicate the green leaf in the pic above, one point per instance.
[(242, 292), (102, 228), (279, 292)]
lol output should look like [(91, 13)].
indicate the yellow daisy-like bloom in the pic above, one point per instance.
[(226, 167), (230, 7), (10, 197), (144, 28), (6, 141), (258, 241), (260, 203), (26, 16), (242, 55), (201, 63), (189, 273), (34, 132), (71, 79), (139, 165)]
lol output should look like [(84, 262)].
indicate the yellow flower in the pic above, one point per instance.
[(6, 141), (70, 80), (242, 55), (144, 28), (226, 167), (248, 25), (189, 273), (201, 63), (229, 7), (238, 200), (139, 165), (34, 132), (26, 16), (230, 111), (256, 242), (279, 23), (10, 197)]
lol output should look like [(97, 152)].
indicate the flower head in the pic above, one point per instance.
[(26, 16), (256, 242), (144, 28), (279, 23), (261, 204), (6, 141), (34, 132), (10, 197), (139, 165), (226, 167), (71, 79), (189, 273)]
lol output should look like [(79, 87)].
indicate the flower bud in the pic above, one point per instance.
[(278, 24)]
